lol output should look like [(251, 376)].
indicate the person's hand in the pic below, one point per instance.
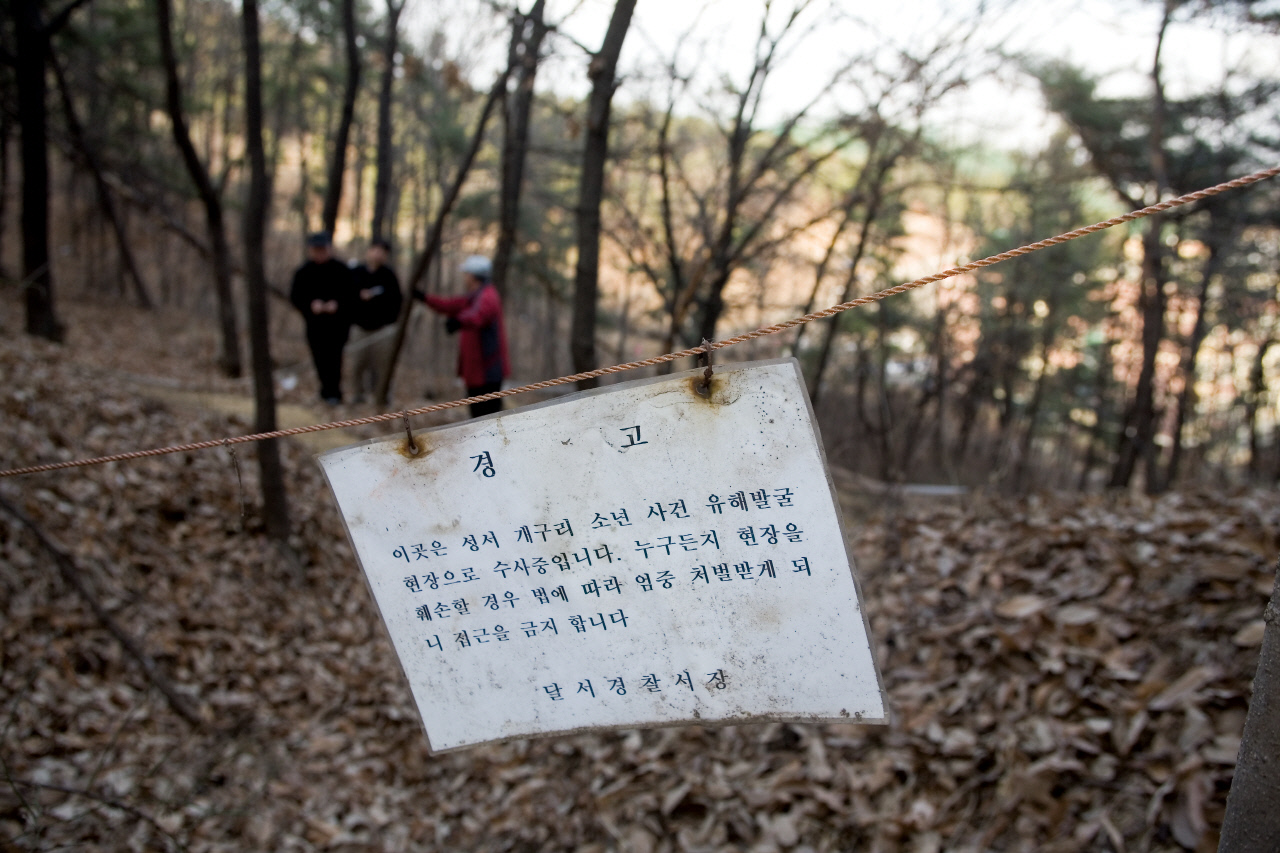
[(331, 307), (366, 294), (452, 325)]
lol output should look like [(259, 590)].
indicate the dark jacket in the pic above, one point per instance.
[(384, 307), (482, 341), (329, 280)]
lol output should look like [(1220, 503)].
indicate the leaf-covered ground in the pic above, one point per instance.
[(1065, 673)]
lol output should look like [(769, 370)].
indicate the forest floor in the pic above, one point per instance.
[(1065, 672)]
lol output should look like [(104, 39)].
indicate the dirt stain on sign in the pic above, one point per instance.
[(417, 451)]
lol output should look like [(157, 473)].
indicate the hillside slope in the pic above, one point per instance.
[(1065, 673)]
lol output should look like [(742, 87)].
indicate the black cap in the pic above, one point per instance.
[(383, 242), (319, 238)]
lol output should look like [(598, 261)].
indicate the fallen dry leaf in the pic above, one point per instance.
[(1021, 606), (1250, 636)]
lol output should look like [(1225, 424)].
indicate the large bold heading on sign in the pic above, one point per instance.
[(650, 553)]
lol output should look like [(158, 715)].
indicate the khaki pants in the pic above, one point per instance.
[(367, 353)]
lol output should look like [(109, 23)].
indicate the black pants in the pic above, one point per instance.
[(488, 407), (326, 353)]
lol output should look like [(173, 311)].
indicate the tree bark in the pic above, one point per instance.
[(1252, 401), (219, 249), (680, 289), (1027, 442), (864, 232), (1101, 411), (738, 235), (1137, 434), (80, 140), (721, 248), (1252, 822), (6, 129), (275, 507), (358, 169), (437, 232), (338, 162), (386, 154), (856, 194), (603, 73), (1186, 402), (32, 42), (885, 422), (527, 34)]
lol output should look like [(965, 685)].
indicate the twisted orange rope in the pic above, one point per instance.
[(671, 356)]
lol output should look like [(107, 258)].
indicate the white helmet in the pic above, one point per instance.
[(478, 266)]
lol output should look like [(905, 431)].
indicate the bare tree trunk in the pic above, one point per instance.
[(846, 216), (1027, 445), (304, 186), (1101, 413), (31, 40), (338, 162), (833, 324), (713, 304), (527, 34), (737, 232), (549, 324), (1275, 461), (289, 108), (603, 74), (437, 232), (862, 368), (679, 287), (219, 250), (105, 202), (1186, 402), (624, 323), (6, 128), (885, 423), (358, 170), (1252, 822), (722, 246), (275, 507), (386, 154), (1137, 436), (1252, 401)]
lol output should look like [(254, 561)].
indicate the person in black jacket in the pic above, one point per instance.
[(323, 293), (377, 309)]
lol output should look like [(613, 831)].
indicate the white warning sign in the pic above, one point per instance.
[(650, 553)]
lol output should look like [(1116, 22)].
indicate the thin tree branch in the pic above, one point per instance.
[(110, 802), (71, 575), (60, 19)]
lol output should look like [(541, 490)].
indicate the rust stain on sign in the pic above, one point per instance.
[(418, 451), (639, 554), (712, 391)]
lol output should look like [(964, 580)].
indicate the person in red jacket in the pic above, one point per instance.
[(482, 342)]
